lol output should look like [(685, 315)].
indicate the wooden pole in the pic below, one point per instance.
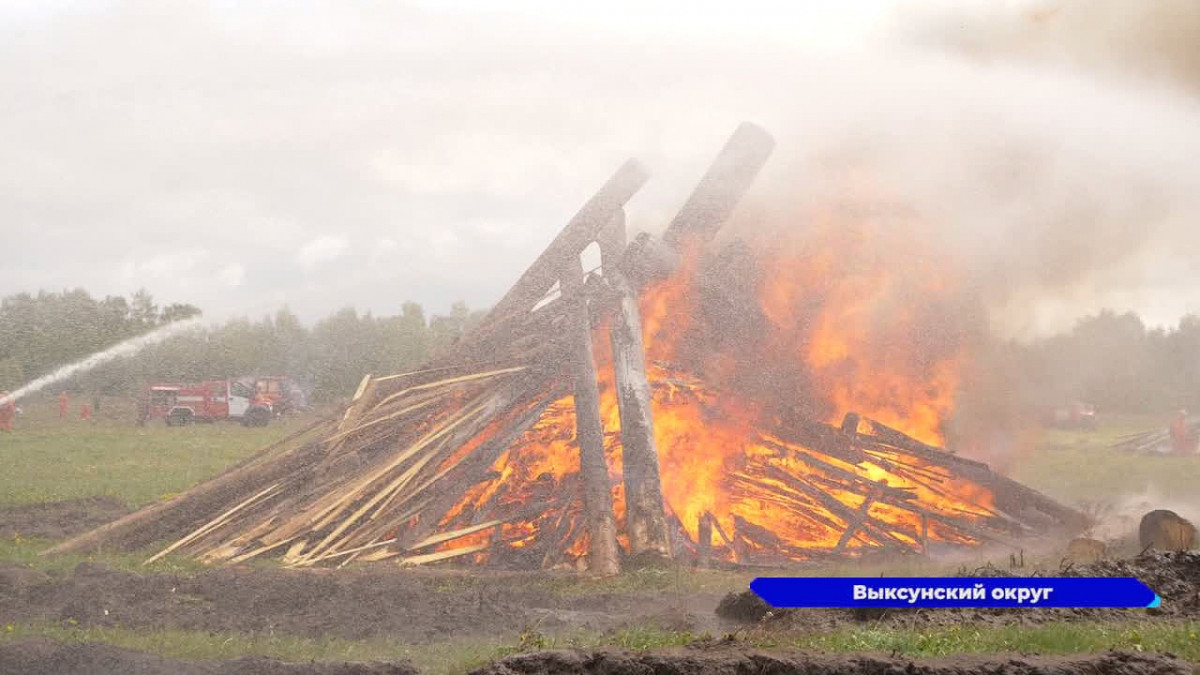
[(581, 231), (645, 516), (722, 186), (589, 429), (704, 530)]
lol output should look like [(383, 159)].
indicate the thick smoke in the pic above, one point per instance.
[(1135, 40), (1051, 152), (1042, 154), (1093, 190)]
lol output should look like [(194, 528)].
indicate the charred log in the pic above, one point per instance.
[(603, 557), (644, 507)]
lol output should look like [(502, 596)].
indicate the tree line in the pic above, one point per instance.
[(42, 332), (1115, 362), (1111, 360)]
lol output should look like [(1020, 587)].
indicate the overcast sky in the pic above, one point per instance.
[(245, 155)]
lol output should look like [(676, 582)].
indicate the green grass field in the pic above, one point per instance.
[(47, 459), (1080, 467)]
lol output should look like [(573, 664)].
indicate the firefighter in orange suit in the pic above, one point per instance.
[(1181, 441), (8, 410), (63, 401)]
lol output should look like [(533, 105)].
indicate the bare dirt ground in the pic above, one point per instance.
[(731, 660), (42, 657), (59, 520), (415, 606)]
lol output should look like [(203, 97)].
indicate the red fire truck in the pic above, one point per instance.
[(253, 401)]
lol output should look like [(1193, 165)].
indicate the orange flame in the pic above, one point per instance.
[(851, 318)]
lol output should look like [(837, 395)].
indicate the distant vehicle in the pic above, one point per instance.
[(253, 401), (1077, 415)]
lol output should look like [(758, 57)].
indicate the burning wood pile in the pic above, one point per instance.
[(532, 443)]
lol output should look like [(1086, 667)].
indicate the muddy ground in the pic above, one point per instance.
[(734, 660), (44, 657), (60, 520), (415, 606), (40, 657)]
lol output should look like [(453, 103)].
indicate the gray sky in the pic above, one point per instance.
[(242, 156)]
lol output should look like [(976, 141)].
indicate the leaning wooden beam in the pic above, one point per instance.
[(645, 517), (593, 469), (581, 231), (212, 524), (442, 555), (853, 525), (721, 188), (470, 377), (362, 401)]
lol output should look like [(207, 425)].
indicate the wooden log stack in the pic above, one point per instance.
[(392, 477)]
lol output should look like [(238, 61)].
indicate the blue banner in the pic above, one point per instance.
[(954, 592)]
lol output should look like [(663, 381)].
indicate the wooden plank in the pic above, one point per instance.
[(442, 555), (472, 377), (257, 552), (461, 532), (380, 420), (212, 524)]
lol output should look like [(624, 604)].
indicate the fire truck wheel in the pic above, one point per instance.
[(257, 417), (179, 418)]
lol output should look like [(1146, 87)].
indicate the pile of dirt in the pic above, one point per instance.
[(740, 661), (1174, 576), (59, 520), (415, 606), (745, 607), (43, 657)]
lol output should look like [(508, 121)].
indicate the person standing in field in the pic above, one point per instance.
[(8, 410), (63, 403), (1181, 441), (85, 412)]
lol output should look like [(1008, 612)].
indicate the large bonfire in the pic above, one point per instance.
[(794, 389)]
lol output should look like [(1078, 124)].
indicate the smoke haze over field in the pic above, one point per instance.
[(347, 153)]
